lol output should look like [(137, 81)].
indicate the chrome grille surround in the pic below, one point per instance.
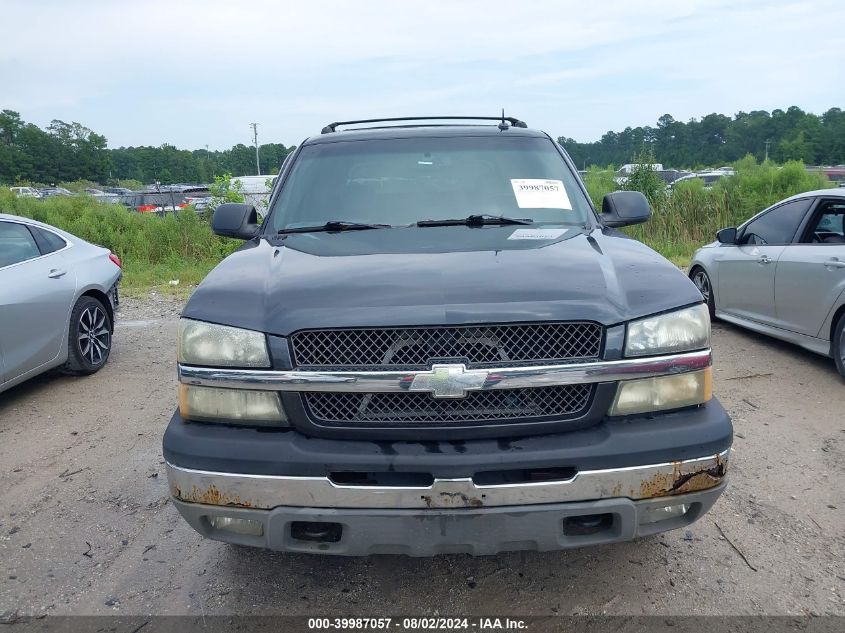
[(396, 380), (475, 345), (501, 405), (433, 413)]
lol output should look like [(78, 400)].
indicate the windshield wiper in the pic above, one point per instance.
[(476, 220), (333, 226)]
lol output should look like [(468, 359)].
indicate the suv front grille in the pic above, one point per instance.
[(477, 346), (413, 408)]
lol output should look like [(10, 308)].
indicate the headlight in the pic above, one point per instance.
[(244, 406), (663, 392), (203, 343), (681, 331)]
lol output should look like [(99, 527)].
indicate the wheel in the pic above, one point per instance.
[(838, 345), (89, 337), (702, 281)]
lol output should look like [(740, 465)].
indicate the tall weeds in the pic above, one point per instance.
[(170, 243), (689, 215)]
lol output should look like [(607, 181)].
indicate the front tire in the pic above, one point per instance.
[(89, 337), (702, 281), (838, 345)]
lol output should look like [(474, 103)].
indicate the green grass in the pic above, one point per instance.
[(140, 278), (154, 250)]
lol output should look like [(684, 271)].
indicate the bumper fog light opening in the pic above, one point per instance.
[(234, 525), (655, 513)]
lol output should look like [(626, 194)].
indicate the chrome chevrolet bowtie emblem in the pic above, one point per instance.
[(449, 381)]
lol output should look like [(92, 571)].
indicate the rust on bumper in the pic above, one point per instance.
[(684, 479), (210, 495), (270, 491)]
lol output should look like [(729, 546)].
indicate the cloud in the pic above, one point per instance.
[(194, 73)]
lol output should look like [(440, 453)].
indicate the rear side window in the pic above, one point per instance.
[(16, 244), (777, 226), (48, 242), (828, 225)]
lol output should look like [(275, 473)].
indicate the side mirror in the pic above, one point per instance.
[(622, 208), (726, 236), (235, 220)]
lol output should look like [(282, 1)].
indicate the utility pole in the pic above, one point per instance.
[(767, 149), (255, 139)]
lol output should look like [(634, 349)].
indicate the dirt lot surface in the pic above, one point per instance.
[(86, 526)]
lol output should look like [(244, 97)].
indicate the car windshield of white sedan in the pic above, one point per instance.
[(399, 182)]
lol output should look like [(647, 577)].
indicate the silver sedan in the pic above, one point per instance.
[(782, 273), (57, 300)]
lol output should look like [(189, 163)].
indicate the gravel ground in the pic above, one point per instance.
[(86, 526)]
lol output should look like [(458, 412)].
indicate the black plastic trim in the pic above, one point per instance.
[(633, 441)]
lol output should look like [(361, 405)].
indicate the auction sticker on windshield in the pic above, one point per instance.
[(536, 193), (536, 234)]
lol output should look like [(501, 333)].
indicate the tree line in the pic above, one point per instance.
[(65, 152), (717, 139)]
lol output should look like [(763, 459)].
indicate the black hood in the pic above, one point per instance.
[(433, 276)]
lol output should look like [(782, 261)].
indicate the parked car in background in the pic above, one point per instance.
[(201, 203), (54, 191), (163, 199), (782, 273), (25, 192), (256, 190), (157, 202), (57, 299), (102, 196), (709, 178), (198, 196)]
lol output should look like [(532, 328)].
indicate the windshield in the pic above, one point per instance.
[(403, 181)]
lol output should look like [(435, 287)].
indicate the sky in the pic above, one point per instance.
[(194, 73)]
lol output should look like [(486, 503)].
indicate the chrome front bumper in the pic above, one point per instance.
[(269, 491), (475, 531)]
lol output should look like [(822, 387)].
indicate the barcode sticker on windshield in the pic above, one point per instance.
[(535, 193), (536, 234)]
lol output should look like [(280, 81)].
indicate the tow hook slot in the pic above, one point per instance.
[(587, 524), (316, 531)]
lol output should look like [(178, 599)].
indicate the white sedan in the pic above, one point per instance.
[(57, 299), (782, 273)]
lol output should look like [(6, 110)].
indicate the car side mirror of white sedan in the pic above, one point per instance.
[(727, 236)]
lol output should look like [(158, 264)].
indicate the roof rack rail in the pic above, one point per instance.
[(332, 127)]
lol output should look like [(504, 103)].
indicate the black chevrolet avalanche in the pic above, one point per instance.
[(434, 343)]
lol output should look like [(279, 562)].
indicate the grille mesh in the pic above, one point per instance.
[(383, 409), (478, 346)]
